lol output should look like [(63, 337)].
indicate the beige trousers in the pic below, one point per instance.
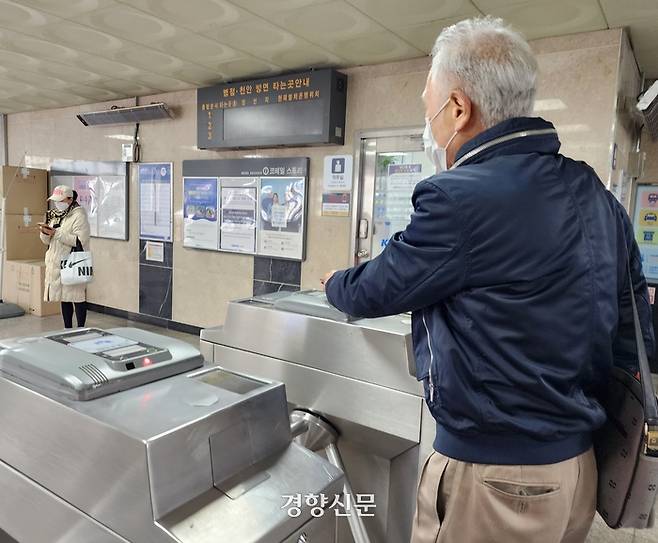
[(460, 502)]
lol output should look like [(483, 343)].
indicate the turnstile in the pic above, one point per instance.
[(126, 436), (355, 373)]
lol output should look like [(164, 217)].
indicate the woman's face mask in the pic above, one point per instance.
[(61, 206)]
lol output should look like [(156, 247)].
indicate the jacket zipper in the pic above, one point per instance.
[(503, 139), (429, 347)]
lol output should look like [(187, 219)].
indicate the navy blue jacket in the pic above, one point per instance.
[(514, 269)]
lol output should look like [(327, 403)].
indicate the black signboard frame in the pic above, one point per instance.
[(303, 108)]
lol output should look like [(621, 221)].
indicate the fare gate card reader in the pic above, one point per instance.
[(307, 302), (90, 363)]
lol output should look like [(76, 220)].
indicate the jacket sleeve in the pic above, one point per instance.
[(79, 230), (624, 344), (420, 266), (44, 239)]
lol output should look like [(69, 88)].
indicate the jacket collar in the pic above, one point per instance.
[(520, 135)]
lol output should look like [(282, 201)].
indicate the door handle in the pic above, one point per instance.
[(363, 253), (363, 229)]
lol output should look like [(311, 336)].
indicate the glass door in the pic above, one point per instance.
[(391, 163)]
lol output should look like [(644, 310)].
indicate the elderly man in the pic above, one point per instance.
[(514, 269)]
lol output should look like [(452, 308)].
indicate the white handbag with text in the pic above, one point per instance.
[(77, 268)]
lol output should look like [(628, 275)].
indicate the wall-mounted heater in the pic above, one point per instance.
[(126, 115)]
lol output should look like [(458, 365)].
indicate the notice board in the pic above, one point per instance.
[(250, 206), (102, 189), (155, 201)]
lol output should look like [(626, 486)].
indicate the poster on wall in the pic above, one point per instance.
[(112, 206), (645, 224), (86, 187), (102, 189), (155, 204), (238, 212), (261, 205), (282, 211), (200, 221)]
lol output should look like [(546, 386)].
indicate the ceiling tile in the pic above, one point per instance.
[(328, 22), (149, 59), (645, 44), (246, 67), (198, 16), (629, 11), (83, 38), (107, 67), (68, 97), (161, 82), (201, 50), (11, 59), (10, 107), (197, 75), (259, 38), (423, 36), (68, 8), (415, 12), (128, 23), (46, 101), (36, 47), (375, 48), (485, 5), (308, 56), (127, 88), (40, 80), (273, 7), (15, 16), (543, 18), (71, 73), (94, 93), (13, 87)]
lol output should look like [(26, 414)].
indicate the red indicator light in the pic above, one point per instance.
[(148, 361)]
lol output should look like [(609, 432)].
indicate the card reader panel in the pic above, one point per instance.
[(121, 353)]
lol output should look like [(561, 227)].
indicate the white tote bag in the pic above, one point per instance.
[(77, 268)]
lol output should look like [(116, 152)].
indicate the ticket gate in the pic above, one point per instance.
[(355, 373), (128, 436)]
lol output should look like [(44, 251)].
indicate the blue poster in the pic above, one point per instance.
[(201, 227), (155, 207), (645, 226)]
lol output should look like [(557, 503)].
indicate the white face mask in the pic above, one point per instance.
[(61, 206), (434, 152)]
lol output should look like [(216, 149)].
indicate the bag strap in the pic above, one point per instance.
[(649, 396), (78, 246)]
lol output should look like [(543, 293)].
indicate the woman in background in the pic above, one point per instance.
[(65, 226)]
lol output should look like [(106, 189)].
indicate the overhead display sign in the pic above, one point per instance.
[(303, 108), (251, 206)]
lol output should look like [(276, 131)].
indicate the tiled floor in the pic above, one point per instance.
[(28, 325)]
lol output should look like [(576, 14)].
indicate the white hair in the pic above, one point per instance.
[(491, 63)]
